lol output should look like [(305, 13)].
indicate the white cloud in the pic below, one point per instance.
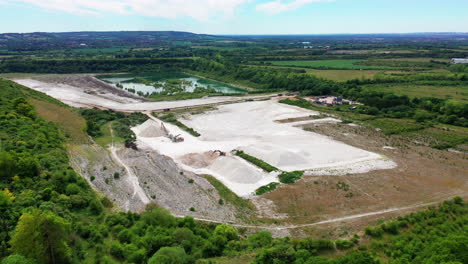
[(197, 9), (279, 6)]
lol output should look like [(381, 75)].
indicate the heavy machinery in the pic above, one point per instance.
[(221, 153), (173, 138), (176, 138)]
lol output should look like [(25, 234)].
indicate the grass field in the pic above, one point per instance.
[(106, 139), (339, 75), (103, 50), (418, 59), (457, 93), (343, 75), (330, 64), (18, 75), (71, 123)]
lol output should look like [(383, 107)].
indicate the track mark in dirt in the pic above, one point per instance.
[(132, 178), (328, 221)]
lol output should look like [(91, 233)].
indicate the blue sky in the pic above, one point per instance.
[(236, 16)]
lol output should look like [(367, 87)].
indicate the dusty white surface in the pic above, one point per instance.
[(251, 127), (80, 97), (327, 120), (75, 96)]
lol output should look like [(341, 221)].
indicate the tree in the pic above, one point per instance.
[(229, 232), (17, 259), (260, 239), (7, 165), (42, 235), (169, 255)]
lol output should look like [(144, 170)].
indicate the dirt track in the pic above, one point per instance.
[(328, 221), (131, 177)]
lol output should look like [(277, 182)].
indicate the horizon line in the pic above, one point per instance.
[(248, 34)]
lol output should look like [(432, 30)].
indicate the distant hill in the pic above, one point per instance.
[(67, 40), (43, 41)]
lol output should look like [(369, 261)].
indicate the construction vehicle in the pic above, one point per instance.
[(176, 138), (221, 153), (173, 138)]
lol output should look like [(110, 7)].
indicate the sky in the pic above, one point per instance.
[(236, 17)]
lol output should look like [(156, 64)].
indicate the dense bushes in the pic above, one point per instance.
[(92, 65), (266, 188), (290, 177), (34, 173), (436, 235), (95, 119)]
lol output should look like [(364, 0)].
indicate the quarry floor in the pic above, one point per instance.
[(253, 127)]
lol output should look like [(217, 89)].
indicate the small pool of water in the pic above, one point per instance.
[(125, 82)]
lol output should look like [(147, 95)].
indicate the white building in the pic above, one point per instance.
[(458, 61)]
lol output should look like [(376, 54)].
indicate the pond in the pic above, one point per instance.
[(149, 83)]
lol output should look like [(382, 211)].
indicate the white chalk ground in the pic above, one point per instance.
[(77, 97), (251, 127), (326, 120)]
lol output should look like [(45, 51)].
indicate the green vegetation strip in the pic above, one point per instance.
[(227, 195), (171, 118), (284, 177), (267, 188), (97, 124), (329, 64), (290, 177), (258, 162)]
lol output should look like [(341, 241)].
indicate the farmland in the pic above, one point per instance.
[(329, 64), (456, 93)]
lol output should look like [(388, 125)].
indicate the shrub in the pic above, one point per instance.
[(72, 188), (290, 177), (17, 259), (376, 232), (229, 232), (169, 255), (391, 228), (260, 239), (116, 175), (343, 244), (266, 188)]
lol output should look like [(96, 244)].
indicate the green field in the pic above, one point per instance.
[(343, 75), (328, 64), (458, 93), (107, 139), (102, 50)]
